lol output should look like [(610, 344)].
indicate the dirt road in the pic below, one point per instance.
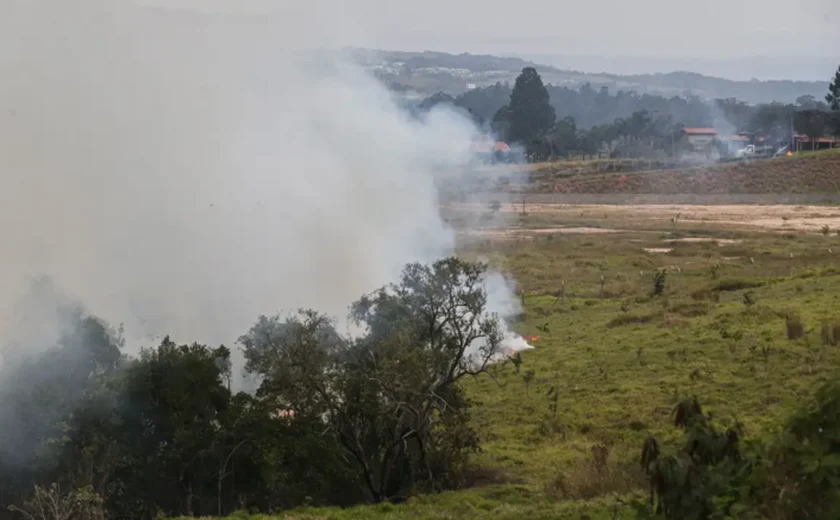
[(766, 217)]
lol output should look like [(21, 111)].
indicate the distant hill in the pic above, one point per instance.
[(739, 68), (426, 73)]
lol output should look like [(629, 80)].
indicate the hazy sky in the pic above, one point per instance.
[(656, 28), (183, 175)]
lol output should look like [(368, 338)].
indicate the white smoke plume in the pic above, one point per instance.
[(182, 173)]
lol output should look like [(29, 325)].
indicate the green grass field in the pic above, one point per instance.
[(618, 359)]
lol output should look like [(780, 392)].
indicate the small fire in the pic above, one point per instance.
[(286, 413), (512, 345)]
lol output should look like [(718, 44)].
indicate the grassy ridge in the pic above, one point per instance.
[(802, 173), (578, 166), (618, 359)]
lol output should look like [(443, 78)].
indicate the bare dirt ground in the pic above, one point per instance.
[(750, 217), (718, 241), (530, 232)]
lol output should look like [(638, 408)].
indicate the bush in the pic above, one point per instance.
[(629, 319), (706, 294), (737, 285), (713, 476), (749, 298), (52, 504), (659, 282), (694, 482), (793, 326), (830, 332), (798, 473), (691, 310)]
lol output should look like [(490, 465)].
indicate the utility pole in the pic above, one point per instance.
[(792, 135)]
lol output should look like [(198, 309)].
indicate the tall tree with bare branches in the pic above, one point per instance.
[(390, 395)]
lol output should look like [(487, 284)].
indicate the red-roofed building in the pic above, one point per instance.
[(700, 131), (803, 142), (701, 141)]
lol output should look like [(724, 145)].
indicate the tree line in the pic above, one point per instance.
[(552, 120), (89, 432)]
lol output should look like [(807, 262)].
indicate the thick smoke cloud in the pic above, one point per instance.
[(182, 173)]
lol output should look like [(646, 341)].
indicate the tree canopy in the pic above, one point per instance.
[(389, 396)]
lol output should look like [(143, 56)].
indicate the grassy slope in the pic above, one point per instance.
[(819, 152), (618, 382), (576, 166), (802, 173)]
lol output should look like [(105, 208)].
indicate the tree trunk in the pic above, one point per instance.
[(348, 444), (219, 489), (223, 464), (425, 461), (375, 495), (189, 500)]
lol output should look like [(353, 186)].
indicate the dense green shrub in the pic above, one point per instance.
[(696, 481), (714, 474)]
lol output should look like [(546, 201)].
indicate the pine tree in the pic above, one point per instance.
[(530, 112), (833, 96)]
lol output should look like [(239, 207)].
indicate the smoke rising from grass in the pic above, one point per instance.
[(182, 173)]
